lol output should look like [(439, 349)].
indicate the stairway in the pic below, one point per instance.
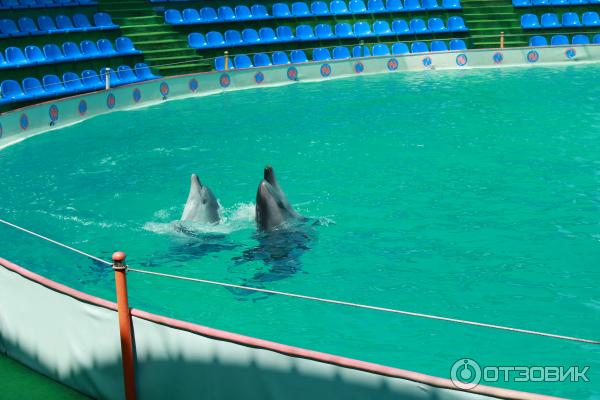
[(165, 49), (487, 18)]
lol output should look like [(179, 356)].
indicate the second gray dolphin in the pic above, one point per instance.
[(201, 205)]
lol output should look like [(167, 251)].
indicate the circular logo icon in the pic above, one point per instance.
[(292, 74), (497, 57), (193, 85), (24, 121), (461, 60), (392, 64), (325, 70), (427, 61), (570, 53), (533, 56), (465, 373), (164, 88), (359, 67), (53, 113), (110, 101), (137, 95), (259, 77), (224, 80), (82, 107)]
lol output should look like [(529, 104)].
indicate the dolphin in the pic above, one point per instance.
[(202, 205), (272, 206)]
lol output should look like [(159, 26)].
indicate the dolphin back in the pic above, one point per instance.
[(272, 206), (202, 205)]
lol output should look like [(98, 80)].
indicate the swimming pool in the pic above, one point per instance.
[(470, 194)]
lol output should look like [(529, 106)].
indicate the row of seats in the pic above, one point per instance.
[(569, 20), (22, 4), (552, 3), (64, 24), (52, 54), (53, 86), (209, 15), (338, 53), (282, 34), (561, 40)]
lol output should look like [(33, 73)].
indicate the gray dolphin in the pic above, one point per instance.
[(272, 206), (201, 205)]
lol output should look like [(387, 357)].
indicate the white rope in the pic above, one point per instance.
[(320, 299), (391, 310)]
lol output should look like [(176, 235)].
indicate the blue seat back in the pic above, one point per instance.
[(52, 84), (284, 33), (26, 24), (208, 14), (91, 80), (64, 23), (34, 54), (380, 49), (417, 25), (280, 58), (559, 40), (113, 78), (81, 21), (196, 40), (267, 35), (281, 10), (71, 50), (591, 18), (125, 45), (233, 37), (220, 63), (381, 28), (550, 20), (361, 51), (10, 89), (319, 8), (262, 60), (570, 19), (357, 7), (419, 47), (72, 82), (412, 5), (15, 56), (52, 52), (103, 20), (305, 32), (143, 72), (259, 12), (362, 29), (8, 26), (538, 41), (89, 48), (225, 13), (242, 13), (393, 5), (457, 44), (436, 25), (300, 9), (298, 56), (453, 4), (596, 39), (400, 48), (438, 45), (456, 24), (33, 87), (343, 30), (173, 17), (323, 31), (400, 27), (530, 21), (431, 5), (250, 35), (580, 39), (242, 61), (46, 23), (341, 53), (376, 6), (321, 54), (214, 39), (338, 7), (125, 74), (191, 16), (105, 47)]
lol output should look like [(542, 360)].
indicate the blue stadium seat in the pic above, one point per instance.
[(381, 49), (242, 13), (208, 14), (376, 6), (281, 10), (457, 44), (225, 13), (242, 61), (417, 26), (126, 75), (457, 24), (214, 39), (394, 5), (7, 4), (71, 51), (262, 60), (114, 79), (191, 16), (538, 41), (305, 32), (559, 40), (540, 3), (26, 25), (357, 7), (530, 21), (259, 12), (3, 63), (53, 54), (91, 80), (11, 91), (125, 46), (173, 17), (267, 35), (143, 72), (323, 31), (73, 83), (298, 56), (431, 5), (580, 39), (15, 57), (436, 25), (53, 85), (419, 47), (343, 30), (88, 48), (341, 53), (33, 88), (400, 48), (321, 54), (550, 20), (361, 51), (319, 8), (280, 58), (570, 20), (300, 9), (46, 24), (104, 21), (64, 24), (196, 40), (34, 55), (382, 28), (559, 2), (250, 36), (9, 28), (233, 37), (105, 47), (412, 5), (591, 18), (363, 29), (578, 2), (284, 34), (451, 4), (220, 63), (521, 3), (596, 39), (400, 27), (338, 7), (438, 45), (81, 22)]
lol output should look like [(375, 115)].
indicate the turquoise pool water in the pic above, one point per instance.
[(469, 194)]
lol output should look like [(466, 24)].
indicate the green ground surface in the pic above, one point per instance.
[(20, 382)]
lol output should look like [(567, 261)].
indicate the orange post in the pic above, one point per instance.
[(501, 40), (124, 324)]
